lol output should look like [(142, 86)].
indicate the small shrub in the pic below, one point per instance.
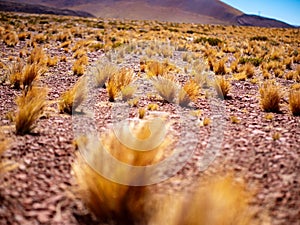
[(3, 146), (142, 113), (248, 69), (52, 61), (234, 120), (253, 61), (222, 87), (269, 116), (127, 92), (240, 76), (166, 88), (270, 95), (278, 73), (266, 75), (155, 68), (37, 56), (80, 65), (15, 74), (206, 121), (234, 66), (219, 200), (288, 63), (290, 75), (219, 67), (30, 107), (133, 102), (259, 38), (276, 136), (211, 41), (11, 39), (119, 80), (112, 202), (152, 107), (103, 72), (294, 101), (31, 73), (189, 92), (72, 98)]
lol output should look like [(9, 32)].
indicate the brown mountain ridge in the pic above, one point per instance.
[(189, 11)]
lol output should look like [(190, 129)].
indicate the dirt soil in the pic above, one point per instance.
[(39, 190)]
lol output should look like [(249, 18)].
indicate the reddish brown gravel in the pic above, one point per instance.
[(39, 190)]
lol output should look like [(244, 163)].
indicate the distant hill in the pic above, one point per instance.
[(259, 21), (39, 9), (189, 11)]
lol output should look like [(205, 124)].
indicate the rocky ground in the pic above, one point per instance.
[(39, 190)]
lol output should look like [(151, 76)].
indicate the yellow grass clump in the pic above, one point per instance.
[(189, 92), (72, 98), (3, 146), (219, 201), (110, 201), (38, 56), (11, 39), (15, 74), (31, 73), (222, 87), (166, 88), (80, 65), (294, 101), (219, 67), (248, 69), (119, 80), (127, 92), (155, 68), (270, 95), (30, 107), (103, 72)]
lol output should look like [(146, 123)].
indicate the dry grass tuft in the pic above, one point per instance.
[(37, 56), (189, 92), (248, 69), (52, 61), (11, 39), (234, 66), (206, 121), (166, 88), (219, 201), (119, 80), (155, 68), (294, 101), (219, 67), (222, 87), (103, 72), (30, 107), (152, 107), (110, 201), (80, 65), (15, 74), (142, 113), (3, 146), (71, 99), (127, 92), (270, 97), (31, 73)]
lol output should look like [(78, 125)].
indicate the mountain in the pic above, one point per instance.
[(8, 6), (259, 21), (190, 11)]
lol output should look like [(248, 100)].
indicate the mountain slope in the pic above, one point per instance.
[(39, 9), (189, 11)]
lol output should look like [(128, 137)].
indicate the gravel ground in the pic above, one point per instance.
[(39, 190)]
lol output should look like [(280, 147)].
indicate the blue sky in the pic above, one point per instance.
[(285, 10)]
